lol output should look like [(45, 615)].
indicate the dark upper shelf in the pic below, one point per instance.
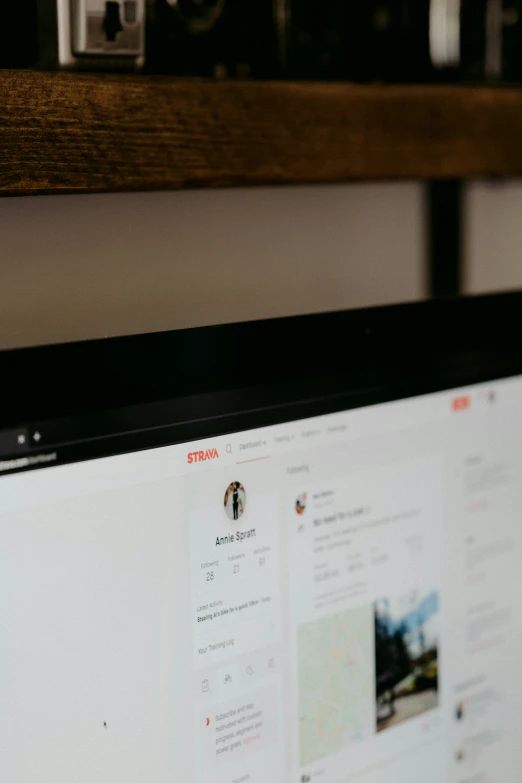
[(70, 132)]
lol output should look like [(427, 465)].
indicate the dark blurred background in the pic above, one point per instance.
[(94, 265), (351, 40)]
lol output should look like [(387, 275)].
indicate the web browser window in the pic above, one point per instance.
[(328, 599)]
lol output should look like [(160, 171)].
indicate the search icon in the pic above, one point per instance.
[(229, 448)]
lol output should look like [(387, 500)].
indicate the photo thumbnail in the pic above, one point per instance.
[(406, 656)]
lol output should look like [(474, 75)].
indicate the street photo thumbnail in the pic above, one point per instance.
[(235, 500), (406, 656)]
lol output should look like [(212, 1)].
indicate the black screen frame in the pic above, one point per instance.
[(111, 396)]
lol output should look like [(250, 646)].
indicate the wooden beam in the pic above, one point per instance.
[(77, 133)]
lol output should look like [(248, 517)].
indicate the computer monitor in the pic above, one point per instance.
[(285, 551)]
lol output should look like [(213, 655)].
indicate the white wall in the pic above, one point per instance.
[(75, 267), (493, 236)]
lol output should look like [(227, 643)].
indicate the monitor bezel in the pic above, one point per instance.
[(374, 354)]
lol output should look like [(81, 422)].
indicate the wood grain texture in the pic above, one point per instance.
[(66, 132)]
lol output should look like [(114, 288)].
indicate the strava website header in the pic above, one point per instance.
[(332, 599), (202, 456)]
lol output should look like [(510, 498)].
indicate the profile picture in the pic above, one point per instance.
[(235, 500), (300, 504)]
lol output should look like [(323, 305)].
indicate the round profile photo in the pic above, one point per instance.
[(235, 500), (300, 504)]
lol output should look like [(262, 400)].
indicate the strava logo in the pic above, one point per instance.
[(202, 456)]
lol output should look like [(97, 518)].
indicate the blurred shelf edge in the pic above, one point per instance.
[(81, 133)]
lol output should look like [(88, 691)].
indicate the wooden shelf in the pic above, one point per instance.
[(77, 133)]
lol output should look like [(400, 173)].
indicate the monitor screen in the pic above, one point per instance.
[(329, 597)]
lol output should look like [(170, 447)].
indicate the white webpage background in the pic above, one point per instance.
[(96, 678)]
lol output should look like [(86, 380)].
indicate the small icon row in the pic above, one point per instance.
[(463, 402), (23, 439), (228, 678)]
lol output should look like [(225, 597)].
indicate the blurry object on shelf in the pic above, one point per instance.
[(445, 33), (88, 34), (333, 40), (222, 38), (405, 40), (19, 34), (371, 40), (107, 34), (477, 40), (511, 31)]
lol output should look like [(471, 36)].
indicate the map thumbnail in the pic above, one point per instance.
[(336, 683)]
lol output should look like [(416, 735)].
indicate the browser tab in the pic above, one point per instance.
[(338, 428), (252, 445), (313, 432), (283, 438)]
